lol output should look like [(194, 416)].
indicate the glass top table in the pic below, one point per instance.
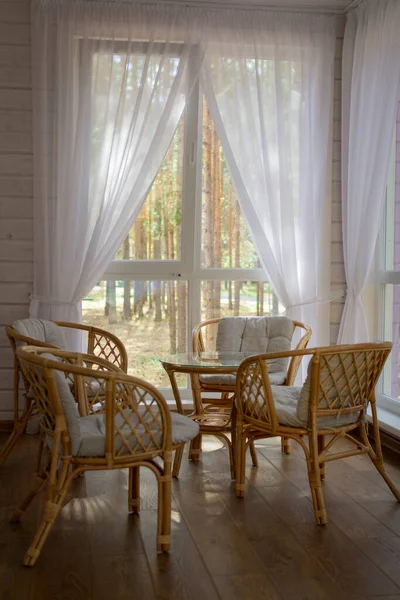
[(195, 364), (204, 361), (212, 421)]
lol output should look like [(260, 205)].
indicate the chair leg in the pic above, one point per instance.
[(253, 454), (377, 456), (164, 506), (233, 445), (19, 429), (240, 461), (178, 460), (57, 489), (134, 490), (321, 446), (195, 448), (285, 445), (40, 476), (314, 476), (164, 540)]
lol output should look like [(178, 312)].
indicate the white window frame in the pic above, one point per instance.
[(188, 268), (381, 304)]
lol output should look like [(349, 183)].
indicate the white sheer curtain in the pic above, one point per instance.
[(371, 87), (106, 106), (268, 82), (110, 83)]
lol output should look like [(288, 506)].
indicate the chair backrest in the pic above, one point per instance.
[(49, 334), (254, 334), (101, 343), (135, 417), (340, 383)]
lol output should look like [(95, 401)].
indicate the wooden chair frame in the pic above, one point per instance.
[(59, 467), (360, 368), (99, 343), (227, 392)]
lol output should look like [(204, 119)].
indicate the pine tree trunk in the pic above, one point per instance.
[(218, 185), (236, 306), (127, 284), (140, 253), (157, 249), (111, 302), (207, 211), (150, 244), (182, 317), (275, 304), (172, 300), (230, 241)]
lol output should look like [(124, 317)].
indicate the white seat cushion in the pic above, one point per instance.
[(286, 401), (87, 434), (68, 404), (41, 330), (93, 431), (275, 379)]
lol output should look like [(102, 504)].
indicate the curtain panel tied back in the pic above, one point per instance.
[(371, 89)]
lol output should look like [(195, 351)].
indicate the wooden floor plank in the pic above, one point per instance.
[(290, 568), (264, 547), (329, 546), (354, 520), (181, 573)]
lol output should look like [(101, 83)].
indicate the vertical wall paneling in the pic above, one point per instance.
[(16, 171)]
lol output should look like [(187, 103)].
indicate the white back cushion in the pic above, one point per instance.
[(258, 335), (69, 406), (41, 330)]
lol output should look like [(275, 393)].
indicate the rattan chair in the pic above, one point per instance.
[(203, 339), (129, 427), (99, 342), (331, 405)]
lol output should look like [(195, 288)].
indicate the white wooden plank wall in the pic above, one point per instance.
[(338, 280), (16, 205)]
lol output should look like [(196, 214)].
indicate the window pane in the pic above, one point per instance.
[(156, 233), (236, 298), (225, 240), (150, 317)]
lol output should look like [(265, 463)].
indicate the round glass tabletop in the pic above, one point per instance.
[(206, 360)]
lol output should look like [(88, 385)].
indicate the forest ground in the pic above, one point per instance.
[(145, 339)]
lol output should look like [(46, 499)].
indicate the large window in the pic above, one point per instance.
[(389, 294), (188, 257)]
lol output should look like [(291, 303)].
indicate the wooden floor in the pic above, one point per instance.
[(266, 547)]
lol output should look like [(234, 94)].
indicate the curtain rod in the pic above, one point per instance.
[(231, 5)]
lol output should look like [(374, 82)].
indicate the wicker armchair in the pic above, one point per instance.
[(331, 404), (50, 334), (204, 339), (132, 428)]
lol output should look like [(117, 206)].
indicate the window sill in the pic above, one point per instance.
[(389, 421), (388, 415)]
